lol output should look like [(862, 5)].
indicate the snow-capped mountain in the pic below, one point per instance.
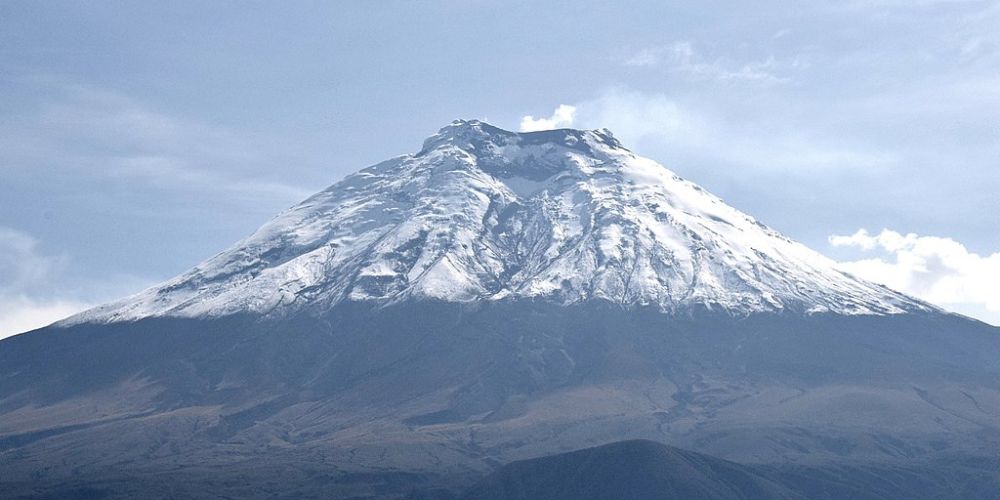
[(481, 213), (497, 297)]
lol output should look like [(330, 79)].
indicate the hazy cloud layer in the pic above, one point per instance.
[(681, 58), (19, 314), (82, 130), (24, 270), (638, 117), (39, 287)]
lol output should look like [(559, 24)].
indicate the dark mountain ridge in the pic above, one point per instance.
[(646, 470), (465, 388)]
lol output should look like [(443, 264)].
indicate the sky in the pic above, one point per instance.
[(138, 139)]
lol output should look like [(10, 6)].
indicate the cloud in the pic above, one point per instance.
[(939, 270), (82, 130), (769, 145), (21, 263), (680, 57), (167, 172), (36, 288), (904, 4), (23, 270), (562, 117), (634, 116), (20, 314)]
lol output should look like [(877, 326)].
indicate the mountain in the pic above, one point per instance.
[(491, 298), (481, 213)]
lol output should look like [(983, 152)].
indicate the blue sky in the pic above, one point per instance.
[(137, 139)]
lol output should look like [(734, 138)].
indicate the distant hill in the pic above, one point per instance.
[(629, 470), (646, 470)]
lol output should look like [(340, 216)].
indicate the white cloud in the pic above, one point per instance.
[(562, 117), (24, 269), (22, 314), (21, 263), (635, 117), (939, 270), (680, 57)]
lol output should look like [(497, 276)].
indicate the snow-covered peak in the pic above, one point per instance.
[(481, 213)]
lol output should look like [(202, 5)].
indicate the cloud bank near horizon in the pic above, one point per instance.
[(939, 270)]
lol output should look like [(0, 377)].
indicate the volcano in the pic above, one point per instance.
[(498, 297)]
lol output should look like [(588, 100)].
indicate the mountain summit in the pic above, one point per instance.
[(481, 213)]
